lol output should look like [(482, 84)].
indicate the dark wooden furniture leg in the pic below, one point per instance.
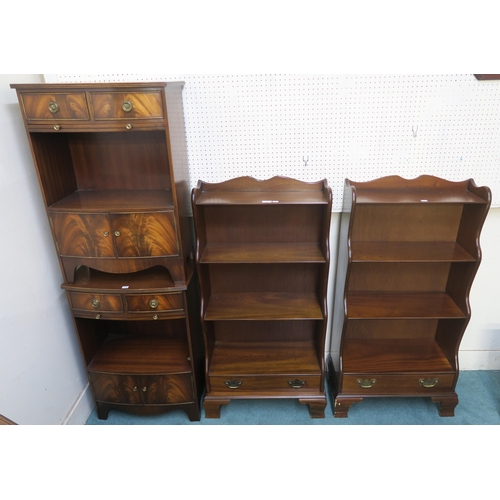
[(212, 407), (342, 406)]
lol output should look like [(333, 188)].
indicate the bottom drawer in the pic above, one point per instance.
[(142, 389), (258, 384), (381, 384)]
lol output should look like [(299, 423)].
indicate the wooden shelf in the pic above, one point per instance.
[(401, 305), (393, 356), (263, 306), (409, 251), (262, 253), (141, 354), (267, 198), (261, 358), (417, 196), (116, 201)]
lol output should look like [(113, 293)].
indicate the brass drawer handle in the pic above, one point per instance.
[(367, 383), (155, 316), (98, 316), (128, 126), (296, 384), (127, 106), (428, 383), (57, 127), (153, 303), (106, 233), (135, 389), (117, 233), (233, 384), (95, 303), (144, 389), (53, 107)]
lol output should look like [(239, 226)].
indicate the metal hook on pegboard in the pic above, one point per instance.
[(305, 161)]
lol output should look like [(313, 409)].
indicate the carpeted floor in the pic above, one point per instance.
[(478, 393)]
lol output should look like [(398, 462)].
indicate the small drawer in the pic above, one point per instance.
[(381, 384), (126, 106), (96, 302), (155, 303), (287, 384), (55, 106)]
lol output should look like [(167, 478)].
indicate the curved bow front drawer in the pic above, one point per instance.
[(155, 303), (55, 106), (126, 105)]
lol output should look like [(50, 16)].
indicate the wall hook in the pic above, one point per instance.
[(414, 130), (305, 161)]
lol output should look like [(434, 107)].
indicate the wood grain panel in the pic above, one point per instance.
[(115, 388), (72, 106), (145, 234), (166, 389), (83, 235), (108, 105)]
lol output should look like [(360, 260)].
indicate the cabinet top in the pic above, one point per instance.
[(44, 87)]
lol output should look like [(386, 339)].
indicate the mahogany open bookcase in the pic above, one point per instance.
[(263, 257), (408, 253)]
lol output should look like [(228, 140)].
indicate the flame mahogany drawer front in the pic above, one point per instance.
[(397, 384), (96, 302), (291, 383), (142, 389), (55, 106), (155, 303), (126, 105)]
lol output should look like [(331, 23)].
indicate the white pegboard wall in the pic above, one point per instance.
[(361, 127)]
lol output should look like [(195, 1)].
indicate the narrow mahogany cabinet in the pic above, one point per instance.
[(408, 253), (111, 161), (263, 255)]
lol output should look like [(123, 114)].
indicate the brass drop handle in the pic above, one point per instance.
[(53, 107), (296, 384), (117, 233), (153, 303), (366, 383), (128, 126), (233, 384), (127, 106), (98, 316), (155, 316), (57, 127), (106, 233), (144, 389), (95, 303), (428, 383), (135, 389)]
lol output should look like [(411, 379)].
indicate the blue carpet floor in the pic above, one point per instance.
[(478, 393)]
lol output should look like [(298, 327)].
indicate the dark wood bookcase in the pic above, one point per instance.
[(111, 161), (263, 256), (408, 253)]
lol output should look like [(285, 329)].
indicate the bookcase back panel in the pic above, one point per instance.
[(269, 224), (272, 331), (412, 222), (241, 278), (390, 329)]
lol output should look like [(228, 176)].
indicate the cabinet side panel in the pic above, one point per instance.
[(54, 164)]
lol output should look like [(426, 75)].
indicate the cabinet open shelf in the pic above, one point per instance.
[(142, 354), (263, 198), (417, 196), (394, 356), (264, 358)]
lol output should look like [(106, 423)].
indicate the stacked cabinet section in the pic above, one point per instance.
[(263, 256), (408, 253), (111, 161)]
